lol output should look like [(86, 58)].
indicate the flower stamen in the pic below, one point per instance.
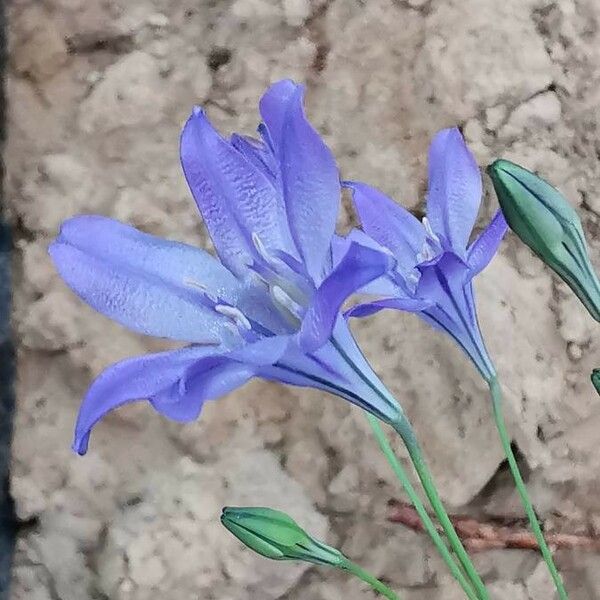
[(195, 284), (235, 314), (286, 305)]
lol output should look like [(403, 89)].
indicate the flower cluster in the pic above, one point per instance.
[(271, 304)]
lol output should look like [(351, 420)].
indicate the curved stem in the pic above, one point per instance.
[(377, 585), (520, 484), (406, 432), (430, 527)]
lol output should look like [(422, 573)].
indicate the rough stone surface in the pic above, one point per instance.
[(98, 92)]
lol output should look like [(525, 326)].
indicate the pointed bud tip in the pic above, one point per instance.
[(501, 164)]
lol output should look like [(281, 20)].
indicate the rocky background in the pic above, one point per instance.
[(98, 91)]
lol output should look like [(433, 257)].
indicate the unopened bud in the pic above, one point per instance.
[(275, 535), (548, 224)]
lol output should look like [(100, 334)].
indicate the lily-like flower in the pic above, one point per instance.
[(268, 308), (435, 265)]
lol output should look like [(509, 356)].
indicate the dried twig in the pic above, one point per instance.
[(478, 536)]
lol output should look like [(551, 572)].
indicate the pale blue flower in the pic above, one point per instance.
[(269, 307), (435, 263)]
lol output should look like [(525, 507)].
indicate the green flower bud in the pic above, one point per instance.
[(275, 535), (548, 224), (596, 379)]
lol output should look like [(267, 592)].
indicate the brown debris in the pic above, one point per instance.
[(495, 533)]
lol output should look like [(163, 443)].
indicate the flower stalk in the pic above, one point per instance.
[(412, 445), (496, 394), (371, 580), (428, 523)]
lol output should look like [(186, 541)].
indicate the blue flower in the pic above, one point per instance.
[(269, 307), (435, 264)]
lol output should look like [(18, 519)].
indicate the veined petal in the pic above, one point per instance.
[(339, 368), (454, 193), (265, 351), (382, 286), (217, 375), (235, 198), (388, 223), (273, 107), (174, 262), (483, 249), (359, 266), (367, 309), (140, 280), (257, 153), (448, 286), (209, 379), (309, 176), (129, 380)]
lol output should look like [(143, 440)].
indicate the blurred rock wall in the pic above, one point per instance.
[(7, 367), (98, 91)]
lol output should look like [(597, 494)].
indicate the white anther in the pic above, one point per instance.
[(412, 277), (201, 287), (260, 247), (258, 279), (430, 231), (427, 253), (235, 314), (264, 253), (283, 299)]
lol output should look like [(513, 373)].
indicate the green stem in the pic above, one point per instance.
[(514, 468), (406, 432), (377, 585), (430, 527)]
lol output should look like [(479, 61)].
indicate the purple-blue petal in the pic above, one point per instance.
[(388, 223), (265, 351), (273, 109), (339, 368), (483, 249), (454, 193), (382, 286), (308, 174), (235, 198), (147, 284), (448, 286), (257, 153), (359, 266), (209, 379), (218, 375), (131, 380), (367, 309)]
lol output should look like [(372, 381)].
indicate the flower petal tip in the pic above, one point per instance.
[(80, 444)]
